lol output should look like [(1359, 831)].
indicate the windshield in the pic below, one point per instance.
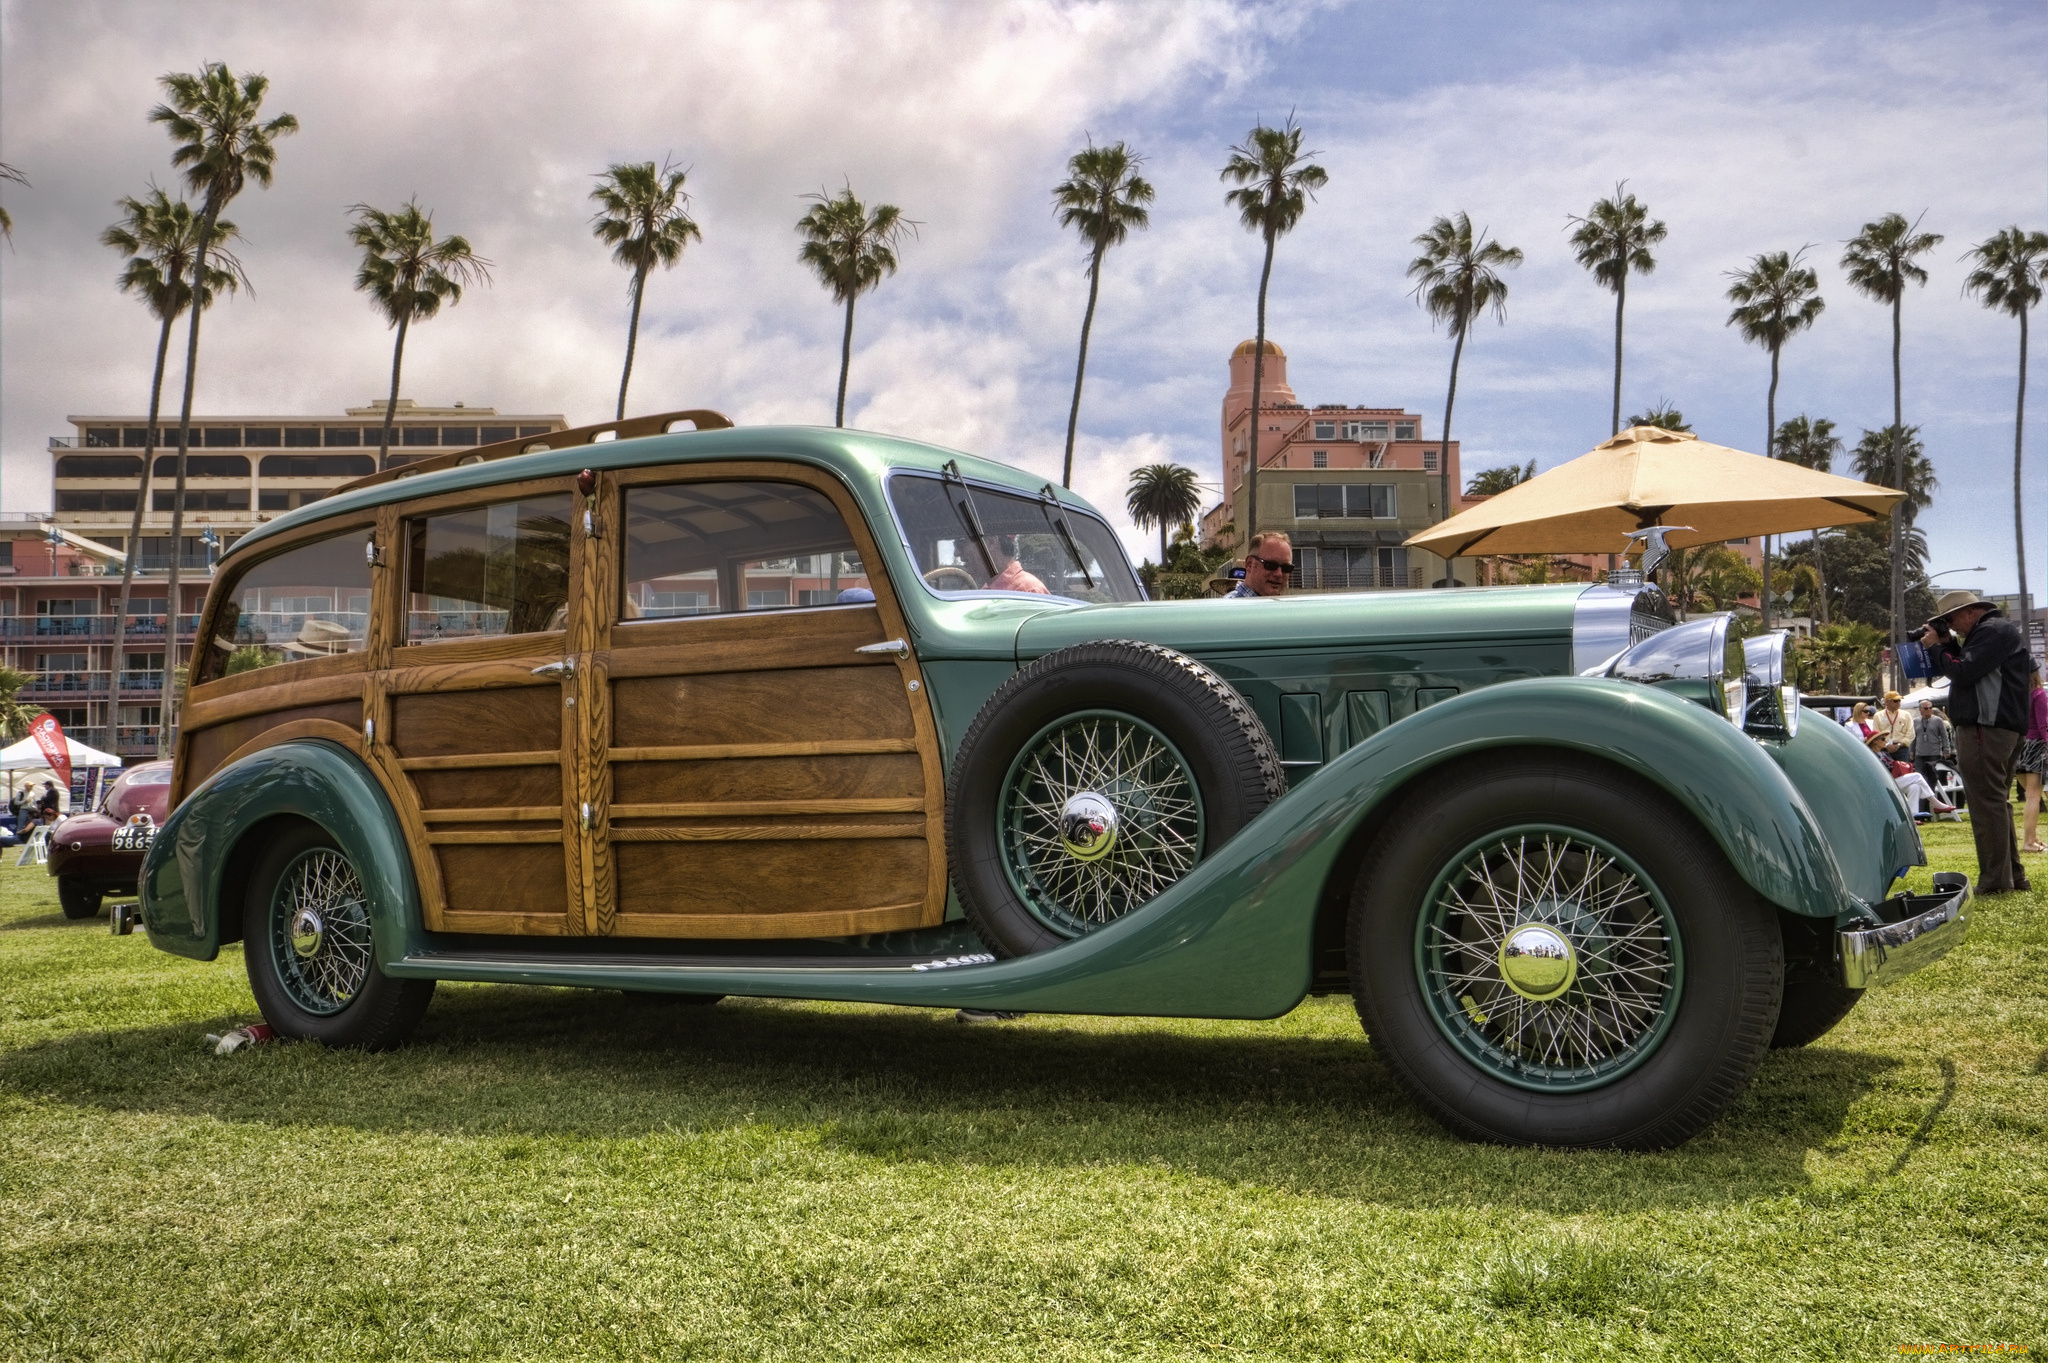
[(979, 539)]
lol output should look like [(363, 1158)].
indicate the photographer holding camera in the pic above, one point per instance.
[(1981, 652)]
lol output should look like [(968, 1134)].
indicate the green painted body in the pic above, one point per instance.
[(1364, 694)]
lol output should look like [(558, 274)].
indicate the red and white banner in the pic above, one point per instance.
[(49, 736)]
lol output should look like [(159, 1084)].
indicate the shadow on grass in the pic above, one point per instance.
[(1298, 1113)]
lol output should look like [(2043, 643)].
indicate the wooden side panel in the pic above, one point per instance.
[(512, 719), (499, 878), (760, 882), (784, 706), (207, 749)]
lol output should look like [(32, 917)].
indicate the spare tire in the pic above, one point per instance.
[(1093, 779)]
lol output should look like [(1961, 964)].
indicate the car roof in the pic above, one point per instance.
[(861, 459)]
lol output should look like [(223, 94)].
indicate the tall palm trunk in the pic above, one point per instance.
[(168, 701), (845, 363), (632, 338), (1620, 298), (1443, 456), (1251, 473), (1898, 481), (2019, 526), (391, 403), (1081, 369), (156, 393), (1820, 573), (1770, 452)]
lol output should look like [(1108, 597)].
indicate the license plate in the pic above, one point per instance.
[(134, 837)]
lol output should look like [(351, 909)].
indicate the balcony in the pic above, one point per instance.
[(135, 740), (46, 685), (143, 683), (1320, 578), (90, 626)]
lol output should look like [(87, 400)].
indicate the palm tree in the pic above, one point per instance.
[(1613, 239), (2010, 268), (15, 717), (1775, 298), (646, 222), (1896, 452), (1880, 263), (160, 236), (1276, 180), (1812, 444), (13, 176), (850, 249), (223, 142), (1165, 495), (1104, 198), (1663, 416), (1492, 482), (1457, 277), (409, 276)]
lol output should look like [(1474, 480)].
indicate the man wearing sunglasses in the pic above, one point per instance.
[(1267, 567)]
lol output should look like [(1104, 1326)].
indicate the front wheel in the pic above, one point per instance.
[(1548, 951), (312, 963), (76, 898)]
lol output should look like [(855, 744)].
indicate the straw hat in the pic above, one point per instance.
[(320, 638), (1951, 602)]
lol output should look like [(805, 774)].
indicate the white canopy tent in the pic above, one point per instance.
[(24, 761)]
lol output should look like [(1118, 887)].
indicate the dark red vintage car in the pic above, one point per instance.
[(99, 854)]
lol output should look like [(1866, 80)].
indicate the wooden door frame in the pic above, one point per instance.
[(604, 612)]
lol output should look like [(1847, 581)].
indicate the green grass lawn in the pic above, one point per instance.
[(553, 1173)]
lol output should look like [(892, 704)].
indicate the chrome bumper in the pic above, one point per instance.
[(1921, 930)]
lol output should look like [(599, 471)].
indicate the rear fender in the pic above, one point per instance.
[(207, 844)]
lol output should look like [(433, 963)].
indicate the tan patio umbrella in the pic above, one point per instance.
[(1650, 476)]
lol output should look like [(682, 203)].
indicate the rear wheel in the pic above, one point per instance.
[(1551, 952), (77, 899), (312, 962)]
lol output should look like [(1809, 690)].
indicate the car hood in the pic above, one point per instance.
[(1236, 625)]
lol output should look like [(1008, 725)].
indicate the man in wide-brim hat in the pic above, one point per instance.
[(1972, 643)]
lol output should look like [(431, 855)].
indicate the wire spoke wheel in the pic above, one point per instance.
[(320, 932), (1549, 958), (1098, 814)]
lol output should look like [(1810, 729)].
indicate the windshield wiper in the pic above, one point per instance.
[(950, 472), (1057, 516)]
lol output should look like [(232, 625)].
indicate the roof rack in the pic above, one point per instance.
[(702, 419)]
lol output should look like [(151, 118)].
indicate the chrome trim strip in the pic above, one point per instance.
[(1608, 621), (1892, 951)]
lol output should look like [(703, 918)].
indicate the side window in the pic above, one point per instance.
[(488, 570), (717, 548), (312, 601)]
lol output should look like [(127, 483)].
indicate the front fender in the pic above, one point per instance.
[(1724, 778), (310, 779)]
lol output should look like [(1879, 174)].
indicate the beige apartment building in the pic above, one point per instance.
[(60, 574)]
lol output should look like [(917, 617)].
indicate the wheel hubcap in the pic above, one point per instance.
[(1098, 814), (320, 938), (1537, 961), (307, 931), (1549, 958), (1088, 826)]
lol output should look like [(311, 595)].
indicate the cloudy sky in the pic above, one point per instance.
[(1746, 127)]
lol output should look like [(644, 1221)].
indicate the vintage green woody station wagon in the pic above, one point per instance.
[(813, 713)]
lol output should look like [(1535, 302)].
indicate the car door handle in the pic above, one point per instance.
[(895, 648), (564, 668)]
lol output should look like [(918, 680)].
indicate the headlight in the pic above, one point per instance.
[(1773, 701), (1700, 652)]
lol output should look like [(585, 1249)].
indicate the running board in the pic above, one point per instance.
[(667, 974)]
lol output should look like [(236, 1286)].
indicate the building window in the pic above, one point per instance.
[(204, 466), (1365, 430), (1404, 430), (317, 466), (532, 430), (99, 466), (221, 437), (458, 435), (1743, 540), (1321, 459), (268, 437), (422, 435), (343, 435), (1326, 430), (1345, 501), (491, 435), (95, 501), (103, 437), (1429, 461), (301, 437), (198, 499), (137, 438)]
